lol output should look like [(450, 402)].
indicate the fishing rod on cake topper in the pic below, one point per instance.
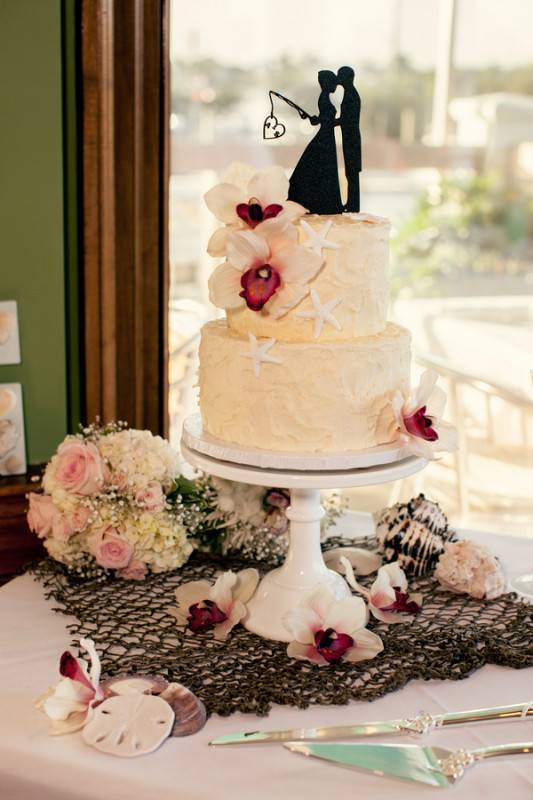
[(314, 182)]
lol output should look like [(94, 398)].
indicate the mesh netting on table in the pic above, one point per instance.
[(453, 636)]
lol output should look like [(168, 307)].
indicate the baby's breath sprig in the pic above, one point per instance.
[(95, 430)]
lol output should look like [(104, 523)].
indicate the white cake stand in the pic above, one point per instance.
[(304, 567)]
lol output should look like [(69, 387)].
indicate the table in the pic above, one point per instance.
[(34, 765)]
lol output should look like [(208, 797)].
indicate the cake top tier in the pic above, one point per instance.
[(294, 276)]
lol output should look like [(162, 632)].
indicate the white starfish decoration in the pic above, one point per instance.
[(321, 313), (259, 353), (316, 240)]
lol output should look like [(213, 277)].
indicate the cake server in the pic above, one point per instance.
[(422, 723), (435, 766)]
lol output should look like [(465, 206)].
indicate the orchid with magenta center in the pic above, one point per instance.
[(266, 274), (403, 603), (219, 607), (388, 598), (68, 705), (419, 424), (250, 200), (419, 419), (326, 630), (277, 498), (258, 285), (332, 645), (204, 615), (253, 212)]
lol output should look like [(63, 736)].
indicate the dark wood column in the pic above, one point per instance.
[(124, 82)]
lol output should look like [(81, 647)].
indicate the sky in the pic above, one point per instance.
[(240, 32)]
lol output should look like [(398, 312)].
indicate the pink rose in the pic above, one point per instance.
[(62, 527), (41, 514), (135, 571), (110, 549), (119, 480), (277, 521), (151, 497), (79, 518), (80, 468)]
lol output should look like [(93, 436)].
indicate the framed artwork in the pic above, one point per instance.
[(9, 333), (12, 443)]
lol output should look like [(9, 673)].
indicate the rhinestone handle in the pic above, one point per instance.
[(421, 724), (455, 765)]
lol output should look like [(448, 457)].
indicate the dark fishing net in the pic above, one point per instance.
[(452, 637)]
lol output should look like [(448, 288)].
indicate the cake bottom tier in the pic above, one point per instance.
[(302, 397)]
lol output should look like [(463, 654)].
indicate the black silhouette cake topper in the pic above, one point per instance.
[(315, 180)]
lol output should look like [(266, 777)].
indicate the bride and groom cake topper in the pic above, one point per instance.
[(315, 179)]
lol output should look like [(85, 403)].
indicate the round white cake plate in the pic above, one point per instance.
[(304, 567), (194, 436)]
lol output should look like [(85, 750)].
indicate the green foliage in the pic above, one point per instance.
[(196, 502), (459, 225)]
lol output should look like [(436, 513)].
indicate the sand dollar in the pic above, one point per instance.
[(129, 725)]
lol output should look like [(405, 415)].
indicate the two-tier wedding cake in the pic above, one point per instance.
[(305, 360)]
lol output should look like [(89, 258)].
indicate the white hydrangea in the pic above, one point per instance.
[(141, 456), (67, 552), (160, 541), (240, 502)]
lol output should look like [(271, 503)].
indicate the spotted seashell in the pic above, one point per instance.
[(420, 509), (429, 514), (189, 711), (414, 534)]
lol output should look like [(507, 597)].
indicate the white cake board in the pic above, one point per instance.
[(304, 567), (196, 438)]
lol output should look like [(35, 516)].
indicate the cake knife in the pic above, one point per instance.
[(422, 723), (434, 766)]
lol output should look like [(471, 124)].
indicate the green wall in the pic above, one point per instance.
[(37, 267)]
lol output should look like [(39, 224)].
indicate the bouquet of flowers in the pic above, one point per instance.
[(114, 503), (229, 517), (106, 503)]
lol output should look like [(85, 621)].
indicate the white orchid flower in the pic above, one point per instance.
[(270, 273), (327, 630), (219, 607), (68, 705), (250, 200), (419, 419), (388, 598)]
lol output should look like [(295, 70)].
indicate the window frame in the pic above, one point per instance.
[(124, 82)]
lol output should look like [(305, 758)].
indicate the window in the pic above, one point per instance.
[(447, 127)]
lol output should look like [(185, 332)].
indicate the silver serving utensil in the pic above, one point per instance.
[(421, 724), (434, 766)]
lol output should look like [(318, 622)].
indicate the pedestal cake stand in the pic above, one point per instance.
[(304, 567)]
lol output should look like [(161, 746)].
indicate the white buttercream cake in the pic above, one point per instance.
[(305, 360)]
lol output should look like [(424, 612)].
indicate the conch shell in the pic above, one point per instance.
[(469, 568)]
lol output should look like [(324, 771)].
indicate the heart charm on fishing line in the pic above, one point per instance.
[(272, 129)]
